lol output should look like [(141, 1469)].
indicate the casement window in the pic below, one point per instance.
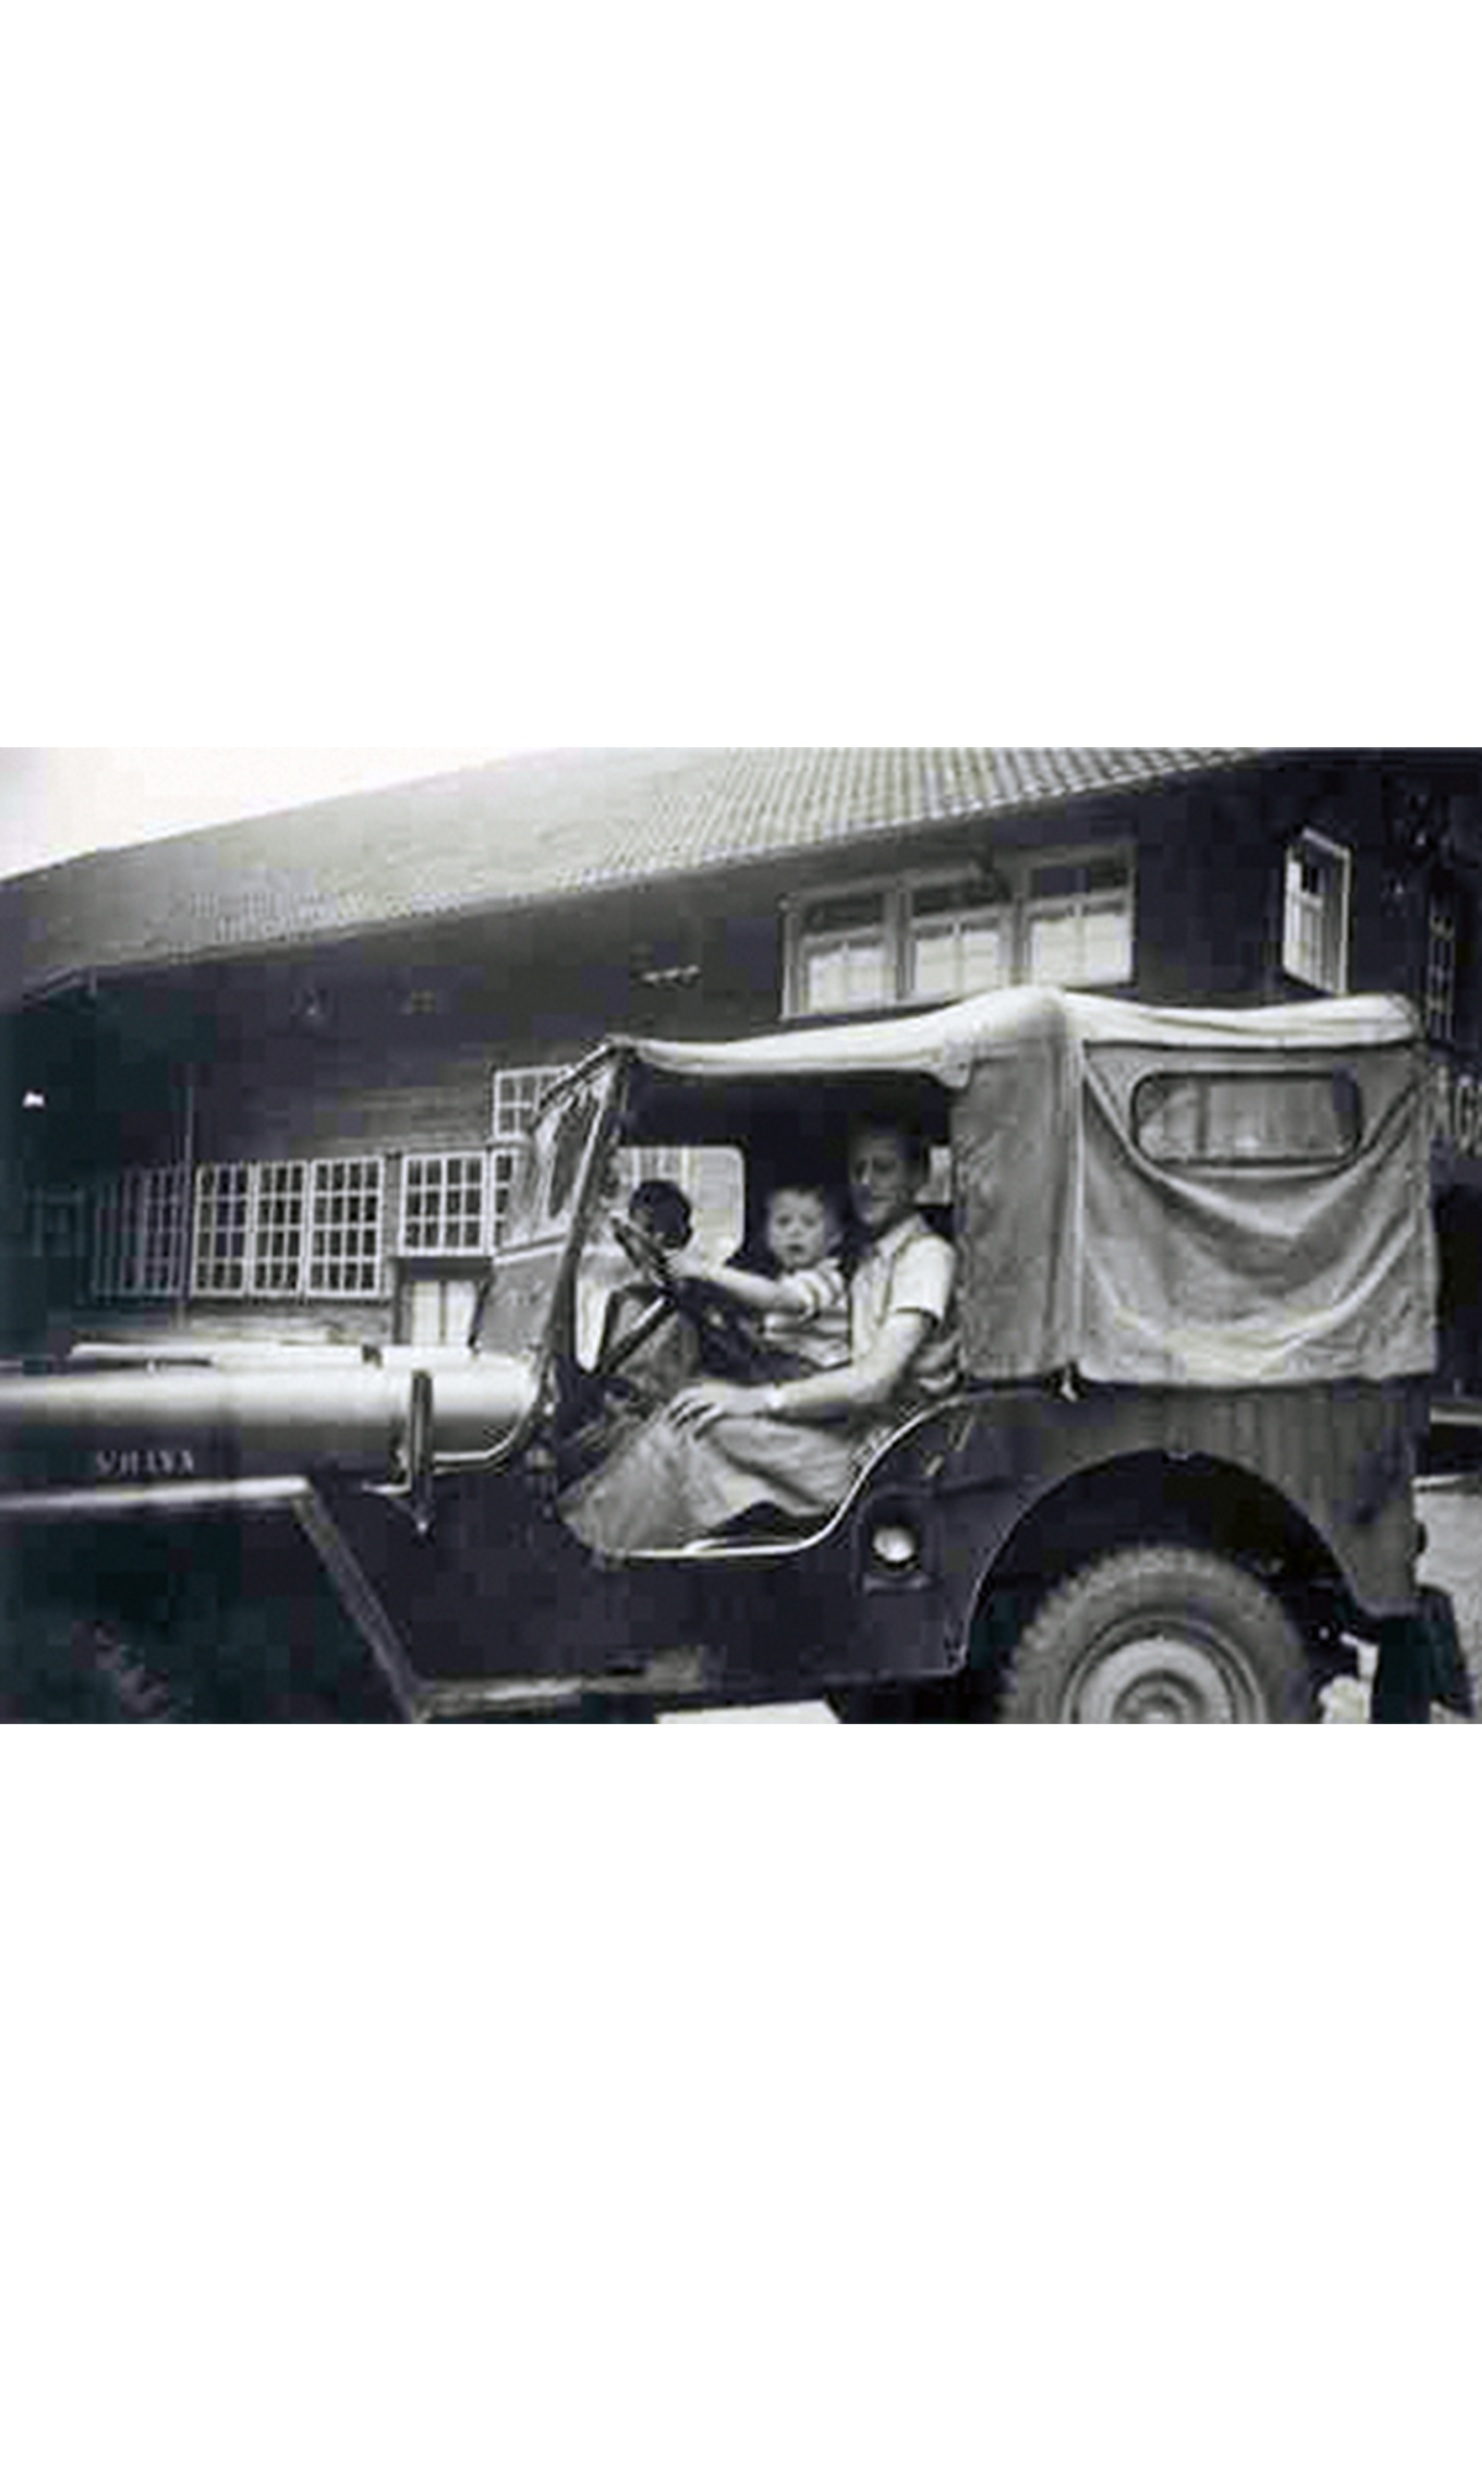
[(442, 1202), (960, 938), (1061, 918), (517, 1094), (279, 1216), (1441, 940), (843, 956), (223, 1230), (518, 1091), (139, 1233), (1314, 942), (345, 1227), (1078, 922), (306, 1227)]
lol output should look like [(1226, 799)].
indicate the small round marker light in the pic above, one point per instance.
[(895, 1544)]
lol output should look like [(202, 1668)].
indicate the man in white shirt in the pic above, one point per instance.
[(722, 1451)]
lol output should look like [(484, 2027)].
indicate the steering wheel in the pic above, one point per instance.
[(725, 1329)]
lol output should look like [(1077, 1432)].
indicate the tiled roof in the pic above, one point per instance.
[(534, 828)]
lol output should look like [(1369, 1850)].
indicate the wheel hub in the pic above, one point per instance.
[(1158, 1678)]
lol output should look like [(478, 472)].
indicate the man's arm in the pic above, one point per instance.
[(863, 1387), (744, 1286)]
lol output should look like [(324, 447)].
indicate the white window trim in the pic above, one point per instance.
[(321, 1170), (1015, 867), (535, 1079), (1342, 858), (124, 1235), (412, 1247)]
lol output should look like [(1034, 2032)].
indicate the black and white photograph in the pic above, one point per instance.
[(903, 1234), (652, 1342)]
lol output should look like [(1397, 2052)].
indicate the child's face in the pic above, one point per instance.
[(800, 1229)]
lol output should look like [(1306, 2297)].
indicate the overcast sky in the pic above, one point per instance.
[(58, 802)]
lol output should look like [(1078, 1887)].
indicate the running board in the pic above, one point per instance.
[(677, 1675)]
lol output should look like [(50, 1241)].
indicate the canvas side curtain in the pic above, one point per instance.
[(1083, 1250)]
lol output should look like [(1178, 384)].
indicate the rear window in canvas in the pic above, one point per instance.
[(1247, 1118)]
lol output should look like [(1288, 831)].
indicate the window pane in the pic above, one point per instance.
[(934, 967), (345, 1256), (1315, 923), (825, 979), (278, 1251), (443, 1203), (866, 977), (1250, 1119), (1054, 950), (1106, 946), (843, 910), (222, 1202), (986, 949), (935, 900)]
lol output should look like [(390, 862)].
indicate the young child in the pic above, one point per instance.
[(805, 1308)]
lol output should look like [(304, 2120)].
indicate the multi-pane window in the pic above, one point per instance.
[(518, 1091), (1078, 922), (1063, 919), (1314, 944), (844, 953), (223, 1226), (442, 1203), (278, 1227), (1440, 968), (961, 938), (517, 1094), (139, 1233), (345, 1227), (503, 1169)]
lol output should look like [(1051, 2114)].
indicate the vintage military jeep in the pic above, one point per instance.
[(1175, 1483)]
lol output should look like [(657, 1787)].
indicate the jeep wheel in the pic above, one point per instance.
[(1160, 1635)]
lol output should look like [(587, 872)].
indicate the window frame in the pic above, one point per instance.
[(1441, 985), (316, 1287), (1340, 857), (412, 1245), (897, 892), (138, 1246)]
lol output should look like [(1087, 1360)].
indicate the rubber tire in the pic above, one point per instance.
[(1156, 1634)]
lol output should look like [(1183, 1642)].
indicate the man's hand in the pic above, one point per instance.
[(695, 1410)]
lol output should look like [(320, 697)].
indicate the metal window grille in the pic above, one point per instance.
[(345, 1227), (442, 1202)]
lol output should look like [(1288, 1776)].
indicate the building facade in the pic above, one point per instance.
[(273, 1078)]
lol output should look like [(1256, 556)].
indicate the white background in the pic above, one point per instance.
[(729, 2095)]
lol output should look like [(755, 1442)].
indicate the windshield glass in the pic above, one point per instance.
[(552, 1180), (552, 1171)]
